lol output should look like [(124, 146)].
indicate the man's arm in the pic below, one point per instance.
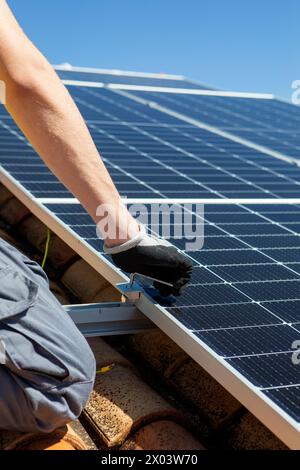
[(46, 113)]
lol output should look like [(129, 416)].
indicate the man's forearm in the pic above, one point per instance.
[(49, 118)]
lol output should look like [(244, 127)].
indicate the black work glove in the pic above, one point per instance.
[(154, 257)]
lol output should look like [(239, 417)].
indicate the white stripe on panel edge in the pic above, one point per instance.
[(183, 91), (124, 73), (191, 91), (275, 418), (220, 201)]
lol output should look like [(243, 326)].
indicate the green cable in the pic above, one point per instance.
[(46, 248), (105, 369)]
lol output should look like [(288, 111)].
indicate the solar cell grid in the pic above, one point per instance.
[(224, 305), (268, 122), (268, 370), (287, 398), (186, 141), (286, 142), (104, 105), (248, 341), (108, 141), (231, 112), (230, 259), (213, 317)]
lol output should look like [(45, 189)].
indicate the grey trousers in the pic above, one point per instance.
[(47, 369)]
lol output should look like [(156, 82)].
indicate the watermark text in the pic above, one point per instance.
[(172, 222)]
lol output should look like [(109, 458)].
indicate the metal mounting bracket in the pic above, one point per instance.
[(132, 290), (113, 318), (105, 319)]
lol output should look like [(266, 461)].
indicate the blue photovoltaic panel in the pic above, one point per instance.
[(75, 217), (231, 112), (208, 149), (151, 154), (268, 122), (254, 334), (129, 80), (271, 370), (107, 106), (245, 307), (285, 142)]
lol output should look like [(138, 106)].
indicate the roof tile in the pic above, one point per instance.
[(13, 211), (206, 394), (248, 433), (105, 355), (5, 195), (83, 281), (59, 293), (159, 350), (121, 402), (162, 435)]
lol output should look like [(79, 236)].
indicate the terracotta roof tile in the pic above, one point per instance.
[(162, 435), (189, 379), (83, 281), (13, 211), (5, 195), (34, 232), (59, 293), (81, 432), (248, 433), (159, 350), (106, 355), (8, 238), (206, 394), (121, 403), (107, 294)]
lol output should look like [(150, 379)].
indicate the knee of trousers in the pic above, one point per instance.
[(52, 406), (25, 408), (51, 409), (47, 387), (48, 369)]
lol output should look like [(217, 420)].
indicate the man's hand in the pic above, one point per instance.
[(156, 258)]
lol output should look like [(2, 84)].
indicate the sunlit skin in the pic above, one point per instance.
[(46, 113)]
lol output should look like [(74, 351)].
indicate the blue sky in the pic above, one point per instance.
[(239, 45)]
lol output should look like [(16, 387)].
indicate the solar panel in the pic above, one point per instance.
[(242, 303), (149, 140), (240, 313), (174, 140), (268, 122), (131, 78)]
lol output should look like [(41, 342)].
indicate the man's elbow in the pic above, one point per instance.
[(28, 77)]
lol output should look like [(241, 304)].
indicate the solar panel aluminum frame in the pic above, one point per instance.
[(204, 201), (152, 88), (275, 418), (125, 73), (190, 91)]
